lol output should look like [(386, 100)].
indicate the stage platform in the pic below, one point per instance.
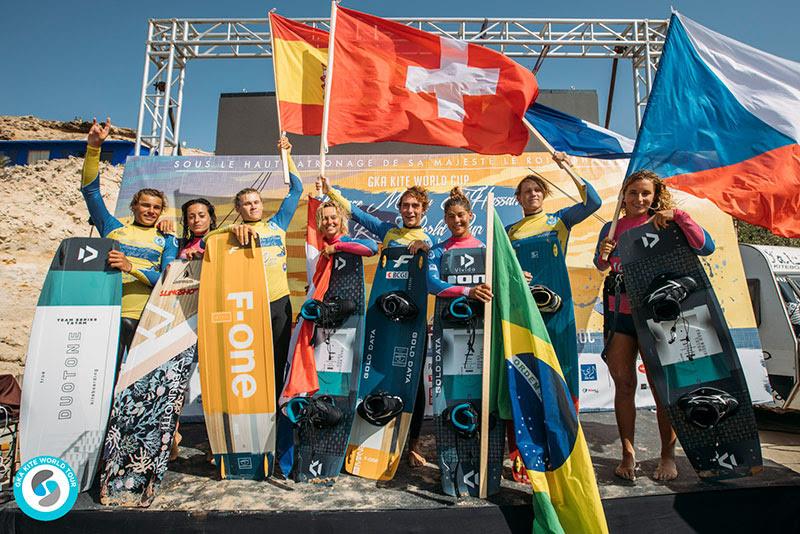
[(192, 499)]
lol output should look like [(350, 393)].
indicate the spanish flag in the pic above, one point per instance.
[(300, 56), (528, 385)]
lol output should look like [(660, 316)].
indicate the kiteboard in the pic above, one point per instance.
[(457, 347), (69, 369), (149, 394), (394, 352), (541, 255), (689, 352), (235, 358), (324, 429)]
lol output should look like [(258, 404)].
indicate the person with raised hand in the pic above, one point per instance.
[(413, 204), (144, 251), (271, 235)]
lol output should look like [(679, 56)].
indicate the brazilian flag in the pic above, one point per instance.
[(528, 387)]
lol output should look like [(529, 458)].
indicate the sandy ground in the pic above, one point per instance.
[(43, 205)]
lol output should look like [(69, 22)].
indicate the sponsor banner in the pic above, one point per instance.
[(375, 182)]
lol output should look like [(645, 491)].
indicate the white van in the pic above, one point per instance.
[(773, 278)]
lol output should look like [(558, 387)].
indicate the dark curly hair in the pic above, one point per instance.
[(187, 234)]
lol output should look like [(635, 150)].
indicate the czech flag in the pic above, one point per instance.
[(578, 137), (528, 385), (723, 123), (299, 55)]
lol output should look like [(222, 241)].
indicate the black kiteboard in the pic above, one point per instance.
[(338, 343), (457, 346), (689, 352)]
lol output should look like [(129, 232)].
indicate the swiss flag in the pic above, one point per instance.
[(390, 82)]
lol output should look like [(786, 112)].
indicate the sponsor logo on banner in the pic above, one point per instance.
[(589, 372), (45, 488)]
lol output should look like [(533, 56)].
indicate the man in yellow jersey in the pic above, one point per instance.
[(271, 234), (144, 251)]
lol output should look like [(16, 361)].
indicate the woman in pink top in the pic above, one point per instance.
[(457, 216), (645, 198), (199, 218)]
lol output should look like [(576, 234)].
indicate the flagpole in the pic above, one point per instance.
[(323, 139), (563, 164), (575, 178), (284, 154), (483, 476)]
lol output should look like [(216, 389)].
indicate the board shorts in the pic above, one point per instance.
[(623, 324)]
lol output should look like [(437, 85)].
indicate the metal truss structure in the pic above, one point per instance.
[(172, 43)]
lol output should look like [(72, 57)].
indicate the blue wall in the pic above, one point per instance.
[(114, 151)]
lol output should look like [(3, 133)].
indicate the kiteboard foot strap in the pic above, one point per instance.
[(666, 297), (380, 408), (321, 412), (547, 300), (464, 418), (327, 314), (706, 407), (398, 306)]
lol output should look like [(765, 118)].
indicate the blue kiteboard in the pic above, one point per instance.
[(394, 352)]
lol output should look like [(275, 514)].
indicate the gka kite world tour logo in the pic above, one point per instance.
[(45, 488)]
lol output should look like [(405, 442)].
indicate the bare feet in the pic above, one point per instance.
[(173, 451), (666, 470), (626, 469), (415, 457)]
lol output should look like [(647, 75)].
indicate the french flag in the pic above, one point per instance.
[(578, 137), (723, 123)]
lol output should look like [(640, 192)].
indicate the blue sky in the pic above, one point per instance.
[(66, 59)]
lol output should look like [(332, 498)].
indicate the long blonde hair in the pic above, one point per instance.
[(343, 217), (662, 198)]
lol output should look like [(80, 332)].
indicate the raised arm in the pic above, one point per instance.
[(591, 202), (370, 222), (284, 215), (90, 180), (359, 247)]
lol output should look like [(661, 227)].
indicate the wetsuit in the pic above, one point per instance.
[(351, 245), (272, 238), (547, 236), (437, 286), (392, 236), (622, 321), (193, 244), (148, 250)]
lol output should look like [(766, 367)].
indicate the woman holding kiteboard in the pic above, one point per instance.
[(645, 199), (144, 250), (199, 218), (540, 240), (457, 277), (321, 387), (457, 216), (412, 206)]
